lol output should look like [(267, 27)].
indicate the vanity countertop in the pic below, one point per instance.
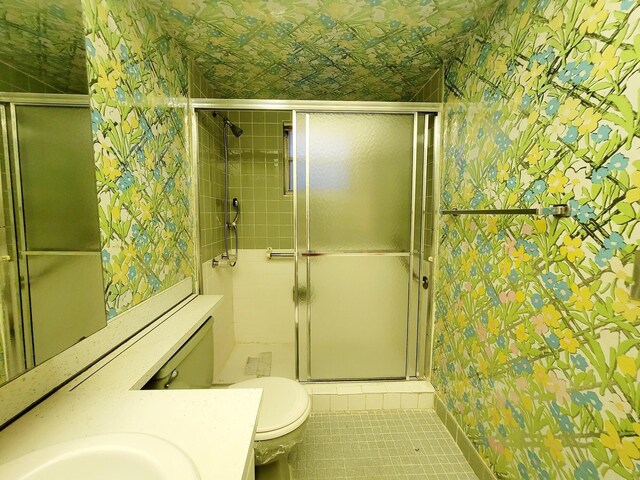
[(215, 428)]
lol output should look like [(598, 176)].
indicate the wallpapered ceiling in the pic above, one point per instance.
[(138, 84), (536, 338), (45, 40), (312, 49)]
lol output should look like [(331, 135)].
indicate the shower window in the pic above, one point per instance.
[(287, 130)]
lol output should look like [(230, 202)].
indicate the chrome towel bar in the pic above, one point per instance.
[(560, 210), (271, 254)]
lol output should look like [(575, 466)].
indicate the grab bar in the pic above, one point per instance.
[(560, 210), (271, 254)]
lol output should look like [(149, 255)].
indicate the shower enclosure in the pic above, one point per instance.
[(363, 198), (50, 266)]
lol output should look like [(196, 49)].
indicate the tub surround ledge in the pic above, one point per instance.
[(215, 428)]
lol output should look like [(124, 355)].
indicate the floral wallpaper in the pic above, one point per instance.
[(537, 339), (312, 49), (138, 88), (45, 40)]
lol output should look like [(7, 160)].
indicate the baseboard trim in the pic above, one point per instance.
[(481, 469)]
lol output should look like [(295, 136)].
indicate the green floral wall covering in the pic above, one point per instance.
[(45, 40), (138, 87), (537, 339), (331, 49)]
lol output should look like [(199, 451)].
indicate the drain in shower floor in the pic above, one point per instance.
[(259, 366)]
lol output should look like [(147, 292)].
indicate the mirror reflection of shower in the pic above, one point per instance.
[(230, 226)]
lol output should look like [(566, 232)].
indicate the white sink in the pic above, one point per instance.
[(125, 456)]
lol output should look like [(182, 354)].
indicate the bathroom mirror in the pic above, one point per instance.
[(51, 284)]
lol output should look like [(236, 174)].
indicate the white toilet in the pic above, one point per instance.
[(283, 412)]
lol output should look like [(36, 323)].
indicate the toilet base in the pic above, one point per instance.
[(268, 451), (276, 470)]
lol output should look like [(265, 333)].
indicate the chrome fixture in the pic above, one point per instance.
[(271, 254), (229, 225), (561, 210), (237, 131)]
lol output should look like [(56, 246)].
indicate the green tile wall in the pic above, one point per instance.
[(256, 178), (199, 86), (433, 90), (210, 186)]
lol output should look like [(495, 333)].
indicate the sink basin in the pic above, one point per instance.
[(125, 456)]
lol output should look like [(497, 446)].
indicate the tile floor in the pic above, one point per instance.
[(380, 445)]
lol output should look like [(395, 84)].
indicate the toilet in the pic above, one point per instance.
[(284, 409)]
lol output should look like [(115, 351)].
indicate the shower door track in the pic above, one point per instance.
[(313, 106)]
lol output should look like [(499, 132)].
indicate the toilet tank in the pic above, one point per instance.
[(189, 367)]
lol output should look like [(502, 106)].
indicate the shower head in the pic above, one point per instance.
[(237, 131)]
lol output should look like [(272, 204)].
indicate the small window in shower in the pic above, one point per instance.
[(287, 130)]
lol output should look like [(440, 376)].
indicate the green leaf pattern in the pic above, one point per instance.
[(312, 49), (46, 41), (138, 87), (536, 348)]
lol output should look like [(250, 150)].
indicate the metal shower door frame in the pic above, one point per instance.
[(9, 104), (419, 367), (416, 338)]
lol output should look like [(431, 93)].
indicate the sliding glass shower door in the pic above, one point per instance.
[(354, 181)]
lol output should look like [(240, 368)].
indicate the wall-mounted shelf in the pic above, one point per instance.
[(560, 211)]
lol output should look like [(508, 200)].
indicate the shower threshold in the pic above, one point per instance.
[(366, 396)]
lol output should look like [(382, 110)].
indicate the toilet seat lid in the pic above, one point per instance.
[(284, 401)]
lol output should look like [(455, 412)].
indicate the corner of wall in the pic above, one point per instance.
[(143, 168)]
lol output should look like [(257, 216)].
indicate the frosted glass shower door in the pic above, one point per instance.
[(354, 235)]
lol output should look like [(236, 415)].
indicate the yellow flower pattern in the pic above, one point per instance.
[(543, 353), (141, 151)]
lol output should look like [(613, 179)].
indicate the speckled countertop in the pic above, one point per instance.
[(215, 428)]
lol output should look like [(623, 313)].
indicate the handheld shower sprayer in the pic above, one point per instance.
[(236, 205), (230, 226)]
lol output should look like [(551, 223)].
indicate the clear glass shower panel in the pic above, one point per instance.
[(358, 316), (360, 171)]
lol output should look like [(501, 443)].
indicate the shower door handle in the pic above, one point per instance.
[(302, 294)]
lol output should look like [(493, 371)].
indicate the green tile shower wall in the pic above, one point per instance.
[(210, 186), (536, 348), (256, 178), (433, 89), (138, 89)]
